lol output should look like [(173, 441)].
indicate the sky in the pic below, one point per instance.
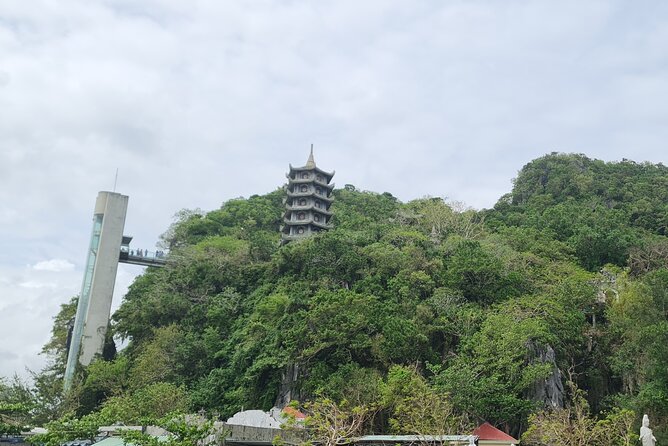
[(198, 102)]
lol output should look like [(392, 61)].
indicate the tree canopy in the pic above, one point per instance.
[(488, 312)]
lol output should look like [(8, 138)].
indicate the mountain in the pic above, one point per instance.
[(563, 285)]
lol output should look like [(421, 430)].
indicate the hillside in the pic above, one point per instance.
[(564, 281)]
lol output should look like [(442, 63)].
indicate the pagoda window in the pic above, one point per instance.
[(317, 203), (319, 177), (304, 188), (305, 175), (300, 230), (302, 202), (301, 216), (316, 217), (318, 190)]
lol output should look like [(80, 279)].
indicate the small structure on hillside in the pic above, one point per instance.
[(273, 419), (254, 418), (488, 435), (308, 201)]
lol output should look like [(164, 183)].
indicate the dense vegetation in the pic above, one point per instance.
[(557, 296)]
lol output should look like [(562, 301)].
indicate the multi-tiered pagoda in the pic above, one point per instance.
[(308, 201)]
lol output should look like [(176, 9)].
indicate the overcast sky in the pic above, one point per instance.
[(197, 102)]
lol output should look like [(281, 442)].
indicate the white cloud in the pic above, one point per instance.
[(37, 285), (54, 265), (31, 298)]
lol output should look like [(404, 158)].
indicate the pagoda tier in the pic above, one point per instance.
[(309, 221), (299, 180), (290, 209), (326, 177), (324, 196), (308, 201)]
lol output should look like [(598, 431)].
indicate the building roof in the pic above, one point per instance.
[(310, 165), (410, 439), (291, 180), (111, 441), (309, 207), (306, 222), (488, 432), (329, 175), (118, 441), (291, 411), (328, 199), (255, 418)]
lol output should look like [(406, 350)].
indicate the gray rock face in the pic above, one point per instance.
[(288, 389), (550, 391)]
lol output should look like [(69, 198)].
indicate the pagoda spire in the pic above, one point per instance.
[(310, 163)]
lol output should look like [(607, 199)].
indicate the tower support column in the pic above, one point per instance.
[(97, 289)]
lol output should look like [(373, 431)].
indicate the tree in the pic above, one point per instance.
[(48, 382), (57, 346), (332, 424), (441, 219), (474, 298), (184, 430), (479, 274), (70, 428), (154, 401), (496, 368), (574, 426), (17, 404), (418, 409)]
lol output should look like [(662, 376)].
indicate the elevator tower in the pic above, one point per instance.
[(97, 289)]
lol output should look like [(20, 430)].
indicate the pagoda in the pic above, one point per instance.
[(308, 201)]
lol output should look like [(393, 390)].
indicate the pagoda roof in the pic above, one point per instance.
[(285, 231), (310, 221), (329, 186), (488, 432), (310, 165), (329, 175), (308, 181), (310, 194), (308, 207), (289, 237)]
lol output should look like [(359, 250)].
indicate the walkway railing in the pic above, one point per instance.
[(142, 257)]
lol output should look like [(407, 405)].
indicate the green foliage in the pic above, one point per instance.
[(416, 408), (407, 309), (156, 359), (184, 431), (69, 428), (441, 219), (495, 369), (104, 379), (56, 347), (480, 275), (331, 423), (17, 404), (574, 426), (601, 210), (154, 400), (361, 386), (638, 338)]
